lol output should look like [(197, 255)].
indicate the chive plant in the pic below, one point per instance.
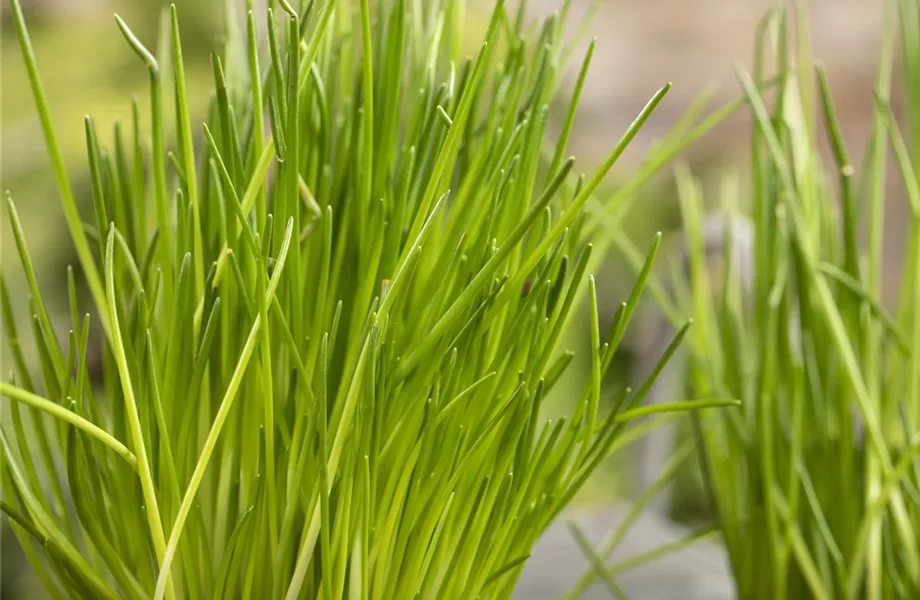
[(816, 480), (329, 319)]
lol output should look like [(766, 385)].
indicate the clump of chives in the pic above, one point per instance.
[(330, 316), (815, 481)]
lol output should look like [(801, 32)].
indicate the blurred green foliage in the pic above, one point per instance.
[(63, 38), (103, 87)]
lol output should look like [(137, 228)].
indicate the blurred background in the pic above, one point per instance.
[(88, 69)]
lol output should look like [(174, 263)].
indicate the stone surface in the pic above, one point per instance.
[(698, 572)]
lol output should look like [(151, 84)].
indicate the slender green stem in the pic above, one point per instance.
[(56, 410)]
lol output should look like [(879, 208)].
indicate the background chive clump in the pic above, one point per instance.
[(329, 319), (815, 481)]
